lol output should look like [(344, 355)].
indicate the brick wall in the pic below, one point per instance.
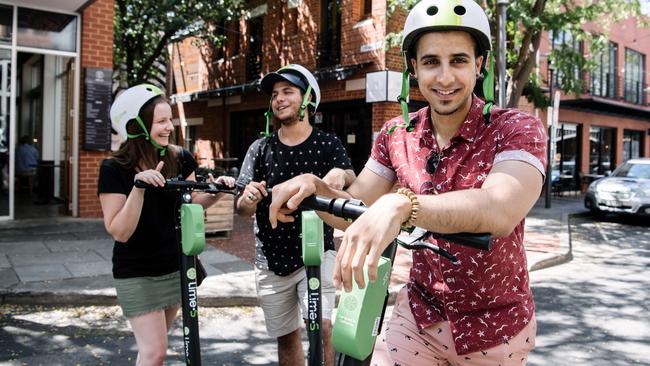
[(290, 36), (96, 51)]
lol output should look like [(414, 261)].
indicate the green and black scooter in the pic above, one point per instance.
[(190, 234), (360, 312)]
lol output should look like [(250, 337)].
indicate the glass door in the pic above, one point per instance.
[(5, 105)]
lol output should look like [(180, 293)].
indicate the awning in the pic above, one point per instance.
[(608, 106)]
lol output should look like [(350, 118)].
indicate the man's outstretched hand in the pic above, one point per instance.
[(288, 195)]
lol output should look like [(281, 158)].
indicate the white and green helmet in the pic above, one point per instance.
[(445, 15), (299, 76), (439, 16), (127, 106)]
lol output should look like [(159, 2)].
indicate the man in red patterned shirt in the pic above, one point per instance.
[(470, 168)]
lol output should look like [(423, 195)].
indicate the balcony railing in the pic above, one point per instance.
[(253, 66), (619, 88)]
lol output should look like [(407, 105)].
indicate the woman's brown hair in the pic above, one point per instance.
[(138, 152)]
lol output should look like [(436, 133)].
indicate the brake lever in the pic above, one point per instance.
[(423, 245), (416, 240)]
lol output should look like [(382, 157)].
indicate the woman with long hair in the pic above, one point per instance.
[(145, 254)]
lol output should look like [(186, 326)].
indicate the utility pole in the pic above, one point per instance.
[(551, 131), (502, 10)]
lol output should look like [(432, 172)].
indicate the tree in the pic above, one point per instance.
[(527, 22), (144, 28)]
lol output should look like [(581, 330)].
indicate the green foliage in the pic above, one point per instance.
[(144, 28), (528, 19)]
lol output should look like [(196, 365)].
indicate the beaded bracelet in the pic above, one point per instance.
[(415, 207)]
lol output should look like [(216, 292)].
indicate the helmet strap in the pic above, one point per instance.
[(163, 149), (267, 116), (488, 86), (404, 94), (305, 103)]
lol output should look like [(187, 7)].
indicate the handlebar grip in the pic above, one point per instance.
[(140, 184), (340, 207), (482, 241)]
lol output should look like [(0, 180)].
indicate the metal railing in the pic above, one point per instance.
[(253, 66), (618, 88)]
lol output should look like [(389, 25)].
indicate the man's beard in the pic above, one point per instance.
[(292, 120), (460, 106), (446, 113)]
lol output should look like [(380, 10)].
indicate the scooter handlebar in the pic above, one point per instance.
[(352, 209), (188, 185)]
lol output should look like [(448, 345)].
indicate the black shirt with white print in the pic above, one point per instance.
[(268, 159)]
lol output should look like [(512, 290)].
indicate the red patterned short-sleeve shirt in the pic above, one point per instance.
[(486, 298)]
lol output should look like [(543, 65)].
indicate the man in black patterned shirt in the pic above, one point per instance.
[(295, 148)]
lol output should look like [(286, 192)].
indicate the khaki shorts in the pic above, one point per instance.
[(281, 296), (142, 295)]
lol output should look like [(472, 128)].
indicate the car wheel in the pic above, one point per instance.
[(593, 207)]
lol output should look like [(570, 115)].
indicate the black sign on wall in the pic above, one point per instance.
[(97, 103)]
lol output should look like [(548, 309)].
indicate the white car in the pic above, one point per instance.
[(626, 190)]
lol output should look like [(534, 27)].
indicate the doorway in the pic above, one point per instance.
[(43, 131)]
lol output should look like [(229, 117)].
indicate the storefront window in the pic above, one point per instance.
[(6, 22), (601, 150), (632, 142), (566, 151), (44, 29)]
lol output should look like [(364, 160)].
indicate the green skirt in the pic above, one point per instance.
[(142, 295)]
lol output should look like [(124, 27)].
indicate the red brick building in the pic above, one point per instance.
[(58, 55), (610, 122)]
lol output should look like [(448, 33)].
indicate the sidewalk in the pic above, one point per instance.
[(67, 261)]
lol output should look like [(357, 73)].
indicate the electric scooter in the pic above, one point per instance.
[(190, 235), (361, 312), (312, 256)]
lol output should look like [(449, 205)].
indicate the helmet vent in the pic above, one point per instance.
[(460, 10), (432, 10), (149, 89)]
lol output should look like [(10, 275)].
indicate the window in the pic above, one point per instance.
[(565, 41), (634, 85), (632, 143), (601, 150), (44, 29), (366, 8), (255, 32), (6, 21), (603, 80), (566, 150), (220, 32), (329, 40)]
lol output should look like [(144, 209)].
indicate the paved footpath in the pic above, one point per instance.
[(67, 261)]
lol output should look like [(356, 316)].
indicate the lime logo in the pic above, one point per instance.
[(191, 273), (186, 330), (351, 303), (314, 283)]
